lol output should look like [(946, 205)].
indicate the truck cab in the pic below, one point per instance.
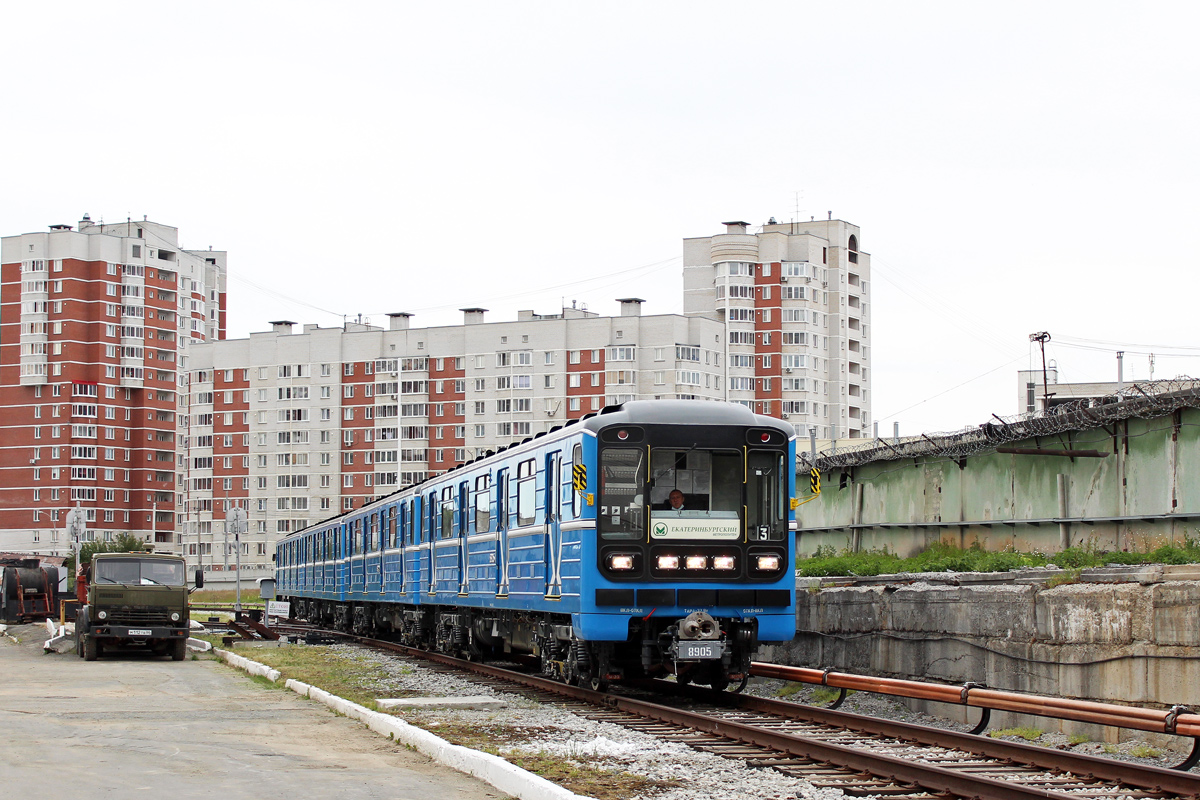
[(135, 600)]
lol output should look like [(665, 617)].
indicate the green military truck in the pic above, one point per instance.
[(135, 600)]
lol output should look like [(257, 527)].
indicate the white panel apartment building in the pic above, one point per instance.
[(795, 298), (297, 426)]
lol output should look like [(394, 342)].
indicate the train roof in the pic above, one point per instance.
[(634, 412), (681, 412)]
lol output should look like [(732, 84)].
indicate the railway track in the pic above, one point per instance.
[(861, 756)]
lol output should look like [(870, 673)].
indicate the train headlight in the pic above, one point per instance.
[(696, 562), (620, 562), (723, 562), (101, 615), (668, 562), (768, 563)]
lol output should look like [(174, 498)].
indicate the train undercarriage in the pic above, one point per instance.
[(698, 648)]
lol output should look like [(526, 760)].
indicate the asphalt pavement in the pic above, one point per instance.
[(131, 725)]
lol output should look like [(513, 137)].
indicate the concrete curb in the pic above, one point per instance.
[(506, 777), (253, 667)]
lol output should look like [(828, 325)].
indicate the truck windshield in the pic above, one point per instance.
[(139, 572)]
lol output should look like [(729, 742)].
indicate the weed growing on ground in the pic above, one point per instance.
[(944, 557), (1028, 734), (1143, 751), (789, 689), (1077, 738)]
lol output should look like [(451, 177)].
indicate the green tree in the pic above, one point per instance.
[(124, 543)]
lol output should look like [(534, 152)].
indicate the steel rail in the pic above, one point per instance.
[(929, 777), (1086, 766), (1176, 721)]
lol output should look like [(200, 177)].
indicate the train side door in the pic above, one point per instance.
[(463, 529), (400, 528), (501, 495), (553, 525), (433, 512)]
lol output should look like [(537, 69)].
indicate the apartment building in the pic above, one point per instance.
[(96, 321), (795, 299), (296, 425)]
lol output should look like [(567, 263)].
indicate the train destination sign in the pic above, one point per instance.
[(682, 528)]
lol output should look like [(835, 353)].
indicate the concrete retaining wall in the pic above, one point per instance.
[(1118, 635)]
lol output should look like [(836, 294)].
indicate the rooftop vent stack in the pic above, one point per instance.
[(283, 326), (399, 321), (736, 226), (473, 316), (631, 306)]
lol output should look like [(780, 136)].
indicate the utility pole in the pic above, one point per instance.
[(1041, 337), (234, 520)]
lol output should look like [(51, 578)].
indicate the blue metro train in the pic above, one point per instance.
[(651, 538)]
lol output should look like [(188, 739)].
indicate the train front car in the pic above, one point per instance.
[(693, 552)]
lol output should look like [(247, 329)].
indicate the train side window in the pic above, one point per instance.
[(526, 492), (766, 497), (406, 521), (373, 540), (447, 512), (483, 508), (576, 491), (462, 518), (392, 526), (502, 502)]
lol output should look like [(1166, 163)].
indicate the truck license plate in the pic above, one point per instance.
[(697, 651), (139, 632)]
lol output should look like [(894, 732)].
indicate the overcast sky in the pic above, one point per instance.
[(1015, 167)]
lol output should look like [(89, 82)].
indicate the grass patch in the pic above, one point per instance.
[(789, 689), (945, 557), (1028, 734), (226, 597), (1109, 749), (824, 695), (347, 675), (1077, 738), (1144, 751), (586, 779)]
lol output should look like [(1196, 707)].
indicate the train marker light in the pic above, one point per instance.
[(723, 562), (668, 562), (768, 563), (696, 562), (620, 562)]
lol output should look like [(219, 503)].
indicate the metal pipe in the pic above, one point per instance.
[(1131, 717)]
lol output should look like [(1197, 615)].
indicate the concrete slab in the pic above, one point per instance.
[(196, 729), (475, 703)]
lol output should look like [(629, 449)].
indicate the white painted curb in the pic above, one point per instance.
[(494, 770), (253, 667)]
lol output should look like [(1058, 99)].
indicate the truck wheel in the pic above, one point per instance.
[(90, 649), (179, 649)]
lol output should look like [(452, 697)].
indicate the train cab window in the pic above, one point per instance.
[(447, 513), (622, 493), (483, 507), (705, 483), (766, 497), (526, 492), (577, 480)]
